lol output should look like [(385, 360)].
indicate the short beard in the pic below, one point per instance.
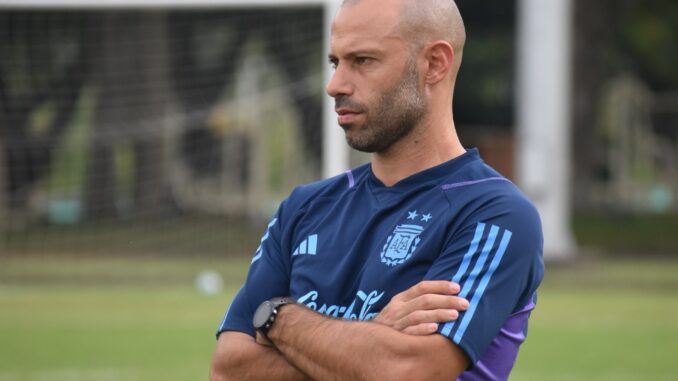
[(399, 110)]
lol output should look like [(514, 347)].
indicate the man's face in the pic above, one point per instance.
[(376, 82)]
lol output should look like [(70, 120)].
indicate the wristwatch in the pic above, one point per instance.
[(265, 315)]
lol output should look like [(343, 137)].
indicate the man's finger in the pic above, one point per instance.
[(421, 329), (435, 302), (422, 317), (441, 287)]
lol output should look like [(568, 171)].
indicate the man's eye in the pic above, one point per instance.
[(363, 60)]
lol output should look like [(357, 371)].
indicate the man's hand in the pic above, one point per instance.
[(419, 309)]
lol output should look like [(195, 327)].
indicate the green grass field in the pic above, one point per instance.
[(141, 319)]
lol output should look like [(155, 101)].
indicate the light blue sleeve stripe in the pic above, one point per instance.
[(471, 252), (260, 249), (471, 280), (480, 228), (223, 322), (482, 286), (487, 248)]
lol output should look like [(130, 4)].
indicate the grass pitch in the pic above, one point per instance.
[(124, 319)]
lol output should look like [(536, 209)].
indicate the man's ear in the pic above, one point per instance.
[(440, 56)]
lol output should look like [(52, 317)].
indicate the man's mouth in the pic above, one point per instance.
[(346, 116)]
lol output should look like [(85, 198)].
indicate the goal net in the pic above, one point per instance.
[(152, 130)]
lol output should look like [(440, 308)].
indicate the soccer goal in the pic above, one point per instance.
[(126, 108), (216, 105)]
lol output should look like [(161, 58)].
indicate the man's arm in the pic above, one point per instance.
[(331, 349), (238, 357)]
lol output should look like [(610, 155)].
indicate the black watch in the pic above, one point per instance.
[(265, 314)]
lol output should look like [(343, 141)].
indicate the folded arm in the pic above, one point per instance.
[(332, 349), (415, 311), (238, 357)]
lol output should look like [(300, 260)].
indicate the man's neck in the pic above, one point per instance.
[(424, 148)]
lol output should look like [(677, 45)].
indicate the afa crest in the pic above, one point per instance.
[(401, 244)]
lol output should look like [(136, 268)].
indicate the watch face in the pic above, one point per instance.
[(262, 314)]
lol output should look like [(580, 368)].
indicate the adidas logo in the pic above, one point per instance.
[(308, 246)]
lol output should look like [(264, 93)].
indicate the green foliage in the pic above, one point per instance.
[(650, 33), (67, 174), (485, 88)]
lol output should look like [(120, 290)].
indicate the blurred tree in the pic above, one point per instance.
[(43, 68), (142, 63), (613, 38), (593, 54), (207, 48), (484, 94), (133, 95), (648, 36)]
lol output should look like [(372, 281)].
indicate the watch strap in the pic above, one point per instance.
[(274, 305)]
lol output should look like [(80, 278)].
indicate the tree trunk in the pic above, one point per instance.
[(100, 187), (150, 185), (593, 34), (133, 85), (4, 170), (29, 154), (3, 187)]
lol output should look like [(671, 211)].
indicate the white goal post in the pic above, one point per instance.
[(543, 117)]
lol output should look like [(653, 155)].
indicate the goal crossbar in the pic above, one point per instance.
[(159, 4)]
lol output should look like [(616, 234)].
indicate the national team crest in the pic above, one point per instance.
[(401, 244)]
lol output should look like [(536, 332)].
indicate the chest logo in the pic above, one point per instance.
[(404, 239), (401, 244)]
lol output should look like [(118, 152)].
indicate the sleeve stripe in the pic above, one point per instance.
[(480, 263), (468, 315), (223, 322), (467, 288), (473, 248), (260, 249), (471, 252)]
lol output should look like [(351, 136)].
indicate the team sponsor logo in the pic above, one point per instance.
[(359, 309), (403, 241)]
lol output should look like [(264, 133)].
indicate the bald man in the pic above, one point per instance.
[(420, 265)]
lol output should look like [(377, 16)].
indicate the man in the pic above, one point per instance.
[(421, 265)]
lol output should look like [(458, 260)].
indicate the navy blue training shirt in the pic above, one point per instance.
[(346, 245)]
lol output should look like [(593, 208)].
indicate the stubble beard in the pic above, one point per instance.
[(398, 111)]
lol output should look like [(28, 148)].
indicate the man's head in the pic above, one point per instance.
[(394, 61)]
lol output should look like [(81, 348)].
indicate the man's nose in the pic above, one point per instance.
[(339, 83)]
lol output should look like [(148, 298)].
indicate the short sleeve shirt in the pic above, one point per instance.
[(346, 245)]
